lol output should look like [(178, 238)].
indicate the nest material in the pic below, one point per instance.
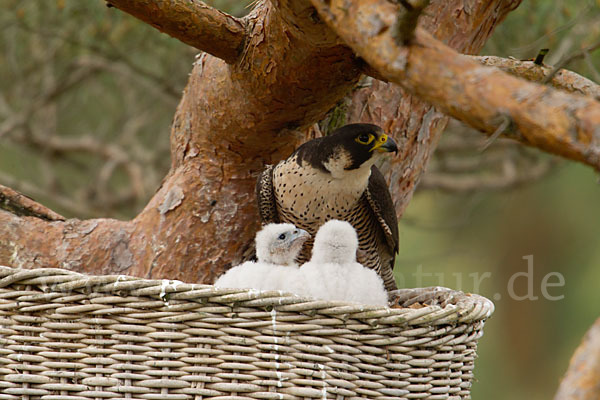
[(68, 336)]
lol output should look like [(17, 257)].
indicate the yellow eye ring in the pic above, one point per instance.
[(364, 139)]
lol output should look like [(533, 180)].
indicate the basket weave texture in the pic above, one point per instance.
[(70, 336)]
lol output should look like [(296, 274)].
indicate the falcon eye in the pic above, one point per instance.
[(365, 138), (282, 236)]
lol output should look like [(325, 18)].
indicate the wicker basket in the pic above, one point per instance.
[(65, 335)]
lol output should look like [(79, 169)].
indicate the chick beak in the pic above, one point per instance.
[(300, 236), (385, 144)]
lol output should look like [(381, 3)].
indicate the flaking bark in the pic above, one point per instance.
[(193, 22), (415, 124), (564, 80), (21, 205), (582, 380), (233, 119), (554, 121)]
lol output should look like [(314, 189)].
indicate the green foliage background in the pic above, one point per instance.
[(528, 343), (72, 69)]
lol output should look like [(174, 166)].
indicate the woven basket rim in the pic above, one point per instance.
[(437, 305)]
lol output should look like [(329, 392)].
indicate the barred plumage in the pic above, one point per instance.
[(334, 178)]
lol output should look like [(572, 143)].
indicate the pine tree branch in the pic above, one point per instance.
[(563, 79), (231, 121), (19, 204), (554, 121), (566, 60), (193, 22)]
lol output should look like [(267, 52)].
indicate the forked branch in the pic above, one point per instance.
[(557, 122)]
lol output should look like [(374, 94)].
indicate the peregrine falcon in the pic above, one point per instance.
[(334, 177)]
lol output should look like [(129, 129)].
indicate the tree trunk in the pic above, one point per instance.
[(415, 124), (582, 380), (278, 71)]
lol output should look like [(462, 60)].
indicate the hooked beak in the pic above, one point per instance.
[(385, 144), (300, 235)]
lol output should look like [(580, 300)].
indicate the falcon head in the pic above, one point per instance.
[(351, 147), (335, 242), (279, 243)]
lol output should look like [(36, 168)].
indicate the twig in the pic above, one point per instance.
[(131, 71), (463, 164), (567, 60), (565, 80), (539, 60), (509, 178), (592, 67), (65, 203), (115, 55), (408, 16), (71, 79), (504, 124)]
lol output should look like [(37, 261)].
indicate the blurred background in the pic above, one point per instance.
[(87, 96)]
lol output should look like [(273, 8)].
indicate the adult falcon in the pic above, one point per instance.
[(334, 177)]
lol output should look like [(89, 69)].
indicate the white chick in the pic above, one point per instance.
[(277, 245), (333, 273)]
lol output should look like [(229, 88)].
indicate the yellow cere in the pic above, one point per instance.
[(382, 139)]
